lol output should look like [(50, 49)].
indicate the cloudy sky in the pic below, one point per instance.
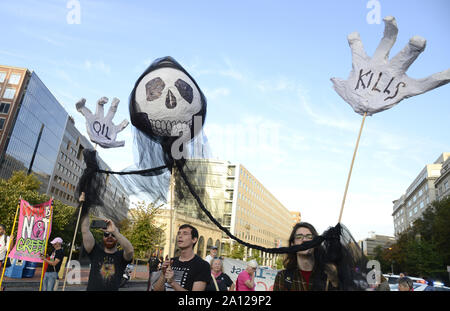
[(265, 67)]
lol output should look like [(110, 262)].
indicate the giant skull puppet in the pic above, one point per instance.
[(166, 102)]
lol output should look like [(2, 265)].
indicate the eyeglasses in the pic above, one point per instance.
[(107, 234), (304, 236)]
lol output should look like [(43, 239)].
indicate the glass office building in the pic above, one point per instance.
[(42, 139), (34, 142)]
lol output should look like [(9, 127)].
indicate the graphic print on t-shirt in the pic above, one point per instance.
[(108, 269), (180, 275)]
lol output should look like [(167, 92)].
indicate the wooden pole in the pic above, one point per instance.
[(10, 241), (72, 246), (46, 243), (351, 167), (172, 208)]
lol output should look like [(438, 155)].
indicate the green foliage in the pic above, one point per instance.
[(226, 249), (237, 251), (24, 186), (424, 249), (256, 254), (279, 262), (142, 231)]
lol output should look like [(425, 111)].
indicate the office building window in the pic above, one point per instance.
[(4, 108), (2, 76), (9, 93), (14, 79), (2, 123)]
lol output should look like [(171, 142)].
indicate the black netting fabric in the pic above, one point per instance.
[(92, 183)]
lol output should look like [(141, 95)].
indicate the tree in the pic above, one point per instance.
[(237, 251), (424, 249), (141, 230), (256, 254), (21, 185), (279, 262)]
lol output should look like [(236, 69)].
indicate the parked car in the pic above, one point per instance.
[(393, 279), (419, 284)]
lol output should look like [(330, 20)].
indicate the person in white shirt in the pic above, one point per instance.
[(4, 244), (212, 254)]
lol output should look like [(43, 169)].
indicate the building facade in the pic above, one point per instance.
[(36, 127), (419, 195), (39, 137), (370, 244), (442, 183), (296, 218), (69, 168), (12, 84)]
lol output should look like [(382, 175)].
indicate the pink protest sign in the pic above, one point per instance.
[(34, 222)]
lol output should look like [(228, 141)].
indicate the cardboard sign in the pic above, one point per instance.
[(379, 83), (33, 231)]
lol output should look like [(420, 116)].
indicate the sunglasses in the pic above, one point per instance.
[(107, 234)]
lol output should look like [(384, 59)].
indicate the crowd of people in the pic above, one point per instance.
[(304, 270)]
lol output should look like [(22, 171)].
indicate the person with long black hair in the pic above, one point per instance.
[(306, 270)]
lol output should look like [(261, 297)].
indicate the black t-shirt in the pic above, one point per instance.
[(188, 272), (223, 282), (57, 254), (106, 269)]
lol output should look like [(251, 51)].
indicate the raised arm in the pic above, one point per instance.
[(128, 250), (250, 283), (159, 284), (88, 238)]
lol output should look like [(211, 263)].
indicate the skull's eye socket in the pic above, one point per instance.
[(185, 90), (154, 88)]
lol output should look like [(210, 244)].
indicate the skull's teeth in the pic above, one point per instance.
[(164, 127)]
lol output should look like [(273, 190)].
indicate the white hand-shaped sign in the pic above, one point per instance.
[(100, 129), (376, 84)]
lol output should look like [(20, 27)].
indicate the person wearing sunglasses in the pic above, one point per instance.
[(305, 270), (107, 262)]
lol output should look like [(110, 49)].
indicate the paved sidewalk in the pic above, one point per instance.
[(139, 274)]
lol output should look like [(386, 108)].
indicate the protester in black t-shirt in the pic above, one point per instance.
[(107, 263), (153, 267), (222, 281), (54, 265), (188, 272)]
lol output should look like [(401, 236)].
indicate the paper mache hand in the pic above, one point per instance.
[(100, 128), (376, 84)]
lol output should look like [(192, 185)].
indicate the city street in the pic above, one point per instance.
[(140, 285), (137, 283)]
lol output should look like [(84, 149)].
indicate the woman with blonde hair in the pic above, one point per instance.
[(220, 281)]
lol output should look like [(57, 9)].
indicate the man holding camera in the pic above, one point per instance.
[(107, 263)]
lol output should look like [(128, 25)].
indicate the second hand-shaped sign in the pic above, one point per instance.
[(100, 128)]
